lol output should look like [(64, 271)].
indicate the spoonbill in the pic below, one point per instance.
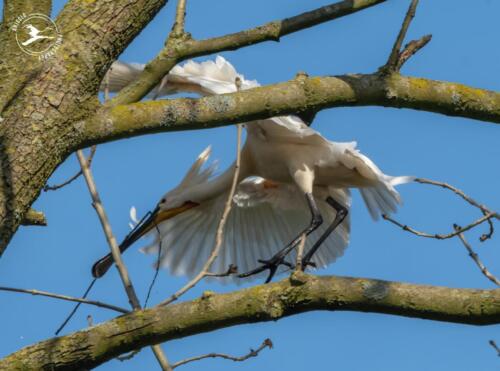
[(291, 180)]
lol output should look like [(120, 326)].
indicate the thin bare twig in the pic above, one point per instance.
[(495, 346), (410, 49), (74, 177), (67, 298), (115, 251), (458, 192), (253, 353), (394, 56), (487, 215), (180, 17), (487, 236), (436, 235), (103, 218), (468, 199), (205, 271), (476, 259), (75, 308)]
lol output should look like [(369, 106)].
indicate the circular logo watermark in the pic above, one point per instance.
[(37, 35)]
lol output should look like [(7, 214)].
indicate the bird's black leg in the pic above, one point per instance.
[(341, 214), (278, 259)]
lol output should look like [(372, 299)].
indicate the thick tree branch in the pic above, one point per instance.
[(298, 294), (51, 98), (181, 46), (303, 94), (14, 8)]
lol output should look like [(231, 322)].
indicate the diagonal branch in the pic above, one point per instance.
[(96, 345), (476, 259), (219, 236), (115, 250), (396, 48), (495, 346), (410, 49), (182, 47), (55, 187)]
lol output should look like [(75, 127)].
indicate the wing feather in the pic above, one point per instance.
[(261, 222)]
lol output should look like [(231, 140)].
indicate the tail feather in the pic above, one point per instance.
[(119, 75), (383, 197)]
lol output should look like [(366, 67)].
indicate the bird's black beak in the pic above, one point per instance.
[(152, 220), (148, 222)]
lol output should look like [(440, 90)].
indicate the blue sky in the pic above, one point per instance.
[(138, 171)]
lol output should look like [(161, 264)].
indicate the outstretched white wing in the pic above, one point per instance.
[(264, 218), (208, 78)]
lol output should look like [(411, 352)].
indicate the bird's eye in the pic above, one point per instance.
[(163, 200)]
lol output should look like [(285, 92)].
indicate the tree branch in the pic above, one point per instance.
[(115, 251), (473, 255), (95, 33), (300, 293), (182, 47), (219, 234), (55, 187), (253, 353), (438, 236), (14, 8), (67, 298), (180, 18), (410, 49), (392, 62), (495, 346), (303, 94)]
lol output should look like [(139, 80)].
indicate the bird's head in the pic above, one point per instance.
[(166, 209)]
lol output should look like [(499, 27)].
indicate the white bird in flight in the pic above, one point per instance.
[(292, 181)]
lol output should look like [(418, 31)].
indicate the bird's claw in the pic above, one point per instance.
[(271, 264)]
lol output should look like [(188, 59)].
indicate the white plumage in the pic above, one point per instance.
[(265, 215), (282, 160)]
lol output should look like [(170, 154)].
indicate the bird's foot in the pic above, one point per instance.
[(271, 264)]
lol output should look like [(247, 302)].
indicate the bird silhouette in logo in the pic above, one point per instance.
[(35, 34)]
